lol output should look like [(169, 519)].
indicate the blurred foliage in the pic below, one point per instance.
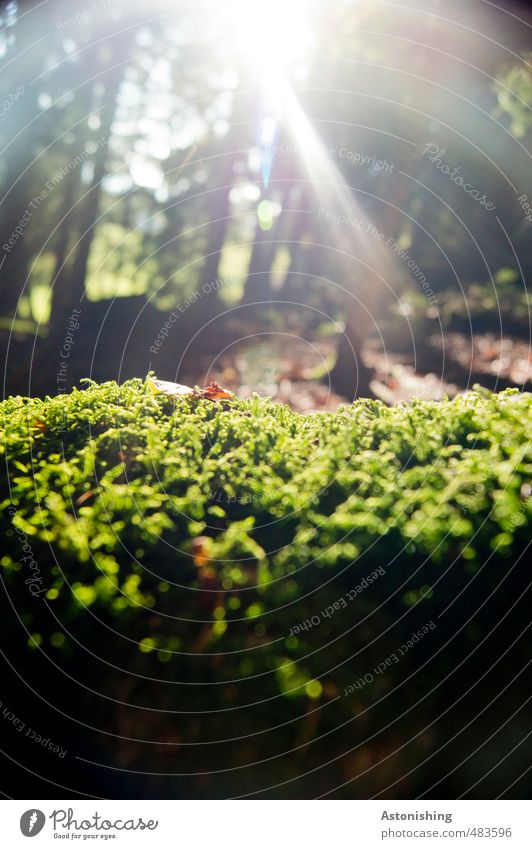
[(162, 117), (514, 96)]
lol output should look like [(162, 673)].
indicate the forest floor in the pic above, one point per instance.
[(287, 360), (293, 370)]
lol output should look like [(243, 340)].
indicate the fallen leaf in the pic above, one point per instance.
[(213, 392), (167, 388)]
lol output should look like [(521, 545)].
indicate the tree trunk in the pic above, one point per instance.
[(17, 194), (60, 275), (350, 376), (292, 288), (69, 288), (219, 211), (258, 284)]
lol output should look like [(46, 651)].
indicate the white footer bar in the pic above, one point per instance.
[(267, 824)]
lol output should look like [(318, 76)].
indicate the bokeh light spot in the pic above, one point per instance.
[(265, 214)]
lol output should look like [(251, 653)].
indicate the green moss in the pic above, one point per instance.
[(111, 486)]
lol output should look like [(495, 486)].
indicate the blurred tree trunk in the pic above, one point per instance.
[(350, 376), (219, 216), (292, 287), (219, 212), (15, 265), (60, 274), (18, 142), (69, 286), (258, 286)]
